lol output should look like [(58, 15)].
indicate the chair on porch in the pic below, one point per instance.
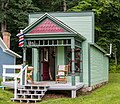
[(62, 74), (29, 74)]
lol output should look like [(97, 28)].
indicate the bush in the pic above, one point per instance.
[(114, 68)]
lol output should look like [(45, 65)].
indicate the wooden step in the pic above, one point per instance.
[(37, 85), (32, 90), (35, 88), (29, 94), (25, 100)]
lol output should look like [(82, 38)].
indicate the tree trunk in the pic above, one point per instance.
[(3, 26), (4, 5), (115, 59), (64, 5)]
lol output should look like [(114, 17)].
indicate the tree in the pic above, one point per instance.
[(107, 21), (55, 5), (3, 14), (13, 17)]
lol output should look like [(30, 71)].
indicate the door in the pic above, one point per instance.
[(45, 64)]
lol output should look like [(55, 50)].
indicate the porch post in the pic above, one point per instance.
[(24, 56), (81, 64), (73, 61), (35, 63), (24, 63)]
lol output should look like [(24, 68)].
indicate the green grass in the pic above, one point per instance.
[(5, 96), (107, 94)]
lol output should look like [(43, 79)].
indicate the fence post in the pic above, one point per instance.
[(25, 76), (4, 71), (15, 89)]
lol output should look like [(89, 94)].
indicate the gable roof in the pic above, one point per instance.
[(47, 26), (55, 21), (7, 50)]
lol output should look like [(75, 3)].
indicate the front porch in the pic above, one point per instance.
[(52, 85)]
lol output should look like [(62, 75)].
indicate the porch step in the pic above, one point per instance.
[(25, 100), (30, 93)]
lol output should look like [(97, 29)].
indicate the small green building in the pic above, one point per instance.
[(65, 39)]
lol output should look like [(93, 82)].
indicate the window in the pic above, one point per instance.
[(77, 59), (68, 58)]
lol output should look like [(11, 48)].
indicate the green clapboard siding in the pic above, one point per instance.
[(98, 66), (60, 56), (82, 24), (85, 62)]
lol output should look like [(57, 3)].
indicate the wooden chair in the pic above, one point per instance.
[(29, 74), (62, 74)]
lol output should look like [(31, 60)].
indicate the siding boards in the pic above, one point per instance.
[(85, 62), (5, 59), (99, 66), (60, 56), (82, 25)]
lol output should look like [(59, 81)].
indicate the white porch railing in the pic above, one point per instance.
[(16, 77), (11, 75)]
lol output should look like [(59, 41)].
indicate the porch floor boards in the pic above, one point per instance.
[(52, 85)]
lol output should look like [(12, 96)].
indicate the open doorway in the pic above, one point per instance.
[(48, 63)]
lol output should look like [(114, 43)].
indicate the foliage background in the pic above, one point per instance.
[(14, 16)]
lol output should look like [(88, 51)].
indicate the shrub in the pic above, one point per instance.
[(114, 68)]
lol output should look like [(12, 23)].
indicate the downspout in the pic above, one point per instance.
[(89, 66)]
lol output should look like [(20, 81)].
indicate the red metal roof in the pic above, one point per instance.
[(47, 26)]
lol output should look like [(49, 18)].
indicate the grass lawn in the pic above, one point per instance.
[(107, 94)]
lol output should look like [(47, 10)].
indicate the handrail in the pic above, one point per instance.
[(21, 72), (15, 78)]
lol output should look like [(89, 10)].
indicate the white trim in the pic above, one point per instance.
[(13, 53), (7, 50), (2, 44), (12, 66)]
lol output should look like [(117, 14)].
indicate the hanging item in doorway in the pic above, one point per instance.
[(50, 74), (45, 54)]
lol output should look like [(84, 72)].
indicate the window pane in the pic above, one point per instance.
[(64, 41), (77, 59), (68, 59), (46, 42), (55, 42), (50, 42), (59, 41), (41, 42), (69, 41)]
